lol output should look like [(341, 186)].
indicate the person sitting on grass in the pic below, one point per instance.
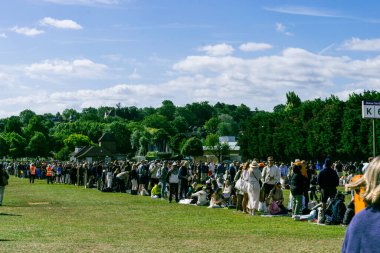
[(217, 200), (156, 191), (227, 189), (275, 200), (200, 197)]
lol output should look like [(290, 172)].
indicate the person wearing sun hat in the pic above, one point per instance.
[(254, 176)]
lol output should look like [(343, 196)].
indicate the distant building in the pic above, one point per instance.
[(233, 152), (105, 151)]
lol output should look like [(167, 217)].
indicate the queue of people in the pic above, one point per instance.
[(205, 183)]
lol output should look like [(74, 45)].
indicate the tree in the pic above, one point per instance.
[(4, 147), (70, 115), (38, 145), (77, 140), (192, 147), (227, 126), (216, 148), (26, 115), (211, 126), (180, 124), (122, 136), (292, 101), (176, 142), (13, 124), (167, 109), (89, 114), (35, 125), (16, 145)]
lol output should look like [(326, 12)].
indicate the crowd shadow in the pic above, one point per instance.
[(10, 214)]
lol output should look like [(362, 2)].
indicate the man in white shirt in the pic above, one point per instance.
[(270, 175)]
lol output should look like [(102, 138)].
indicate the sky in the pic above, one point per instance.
[(59, 54)]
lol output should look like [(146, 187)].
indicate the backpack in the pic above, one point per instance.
[(335, 211), (143, 171), (349, 214)]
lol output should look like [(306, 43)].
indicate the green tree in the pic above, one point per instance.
[(4, 147), (177, 141), (70, 115), (167, 109), (89, 114), (16, 144), (35, 124), (192, 147), (25, 116), (217, 148), (180, 125), (77, 140), (122, 135), (38, 145), (13, 124), (292, 101), (211, 126)]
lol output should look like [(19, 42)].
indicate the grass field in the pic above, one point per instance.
[(62, 218)]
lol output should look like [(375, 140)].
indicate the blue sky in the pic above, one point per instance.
[(58, 54)]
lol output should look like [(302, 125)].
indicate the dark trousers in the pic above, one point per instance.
[(239, 202), (31, 179), (49, 179), (173, 189), (183, 188)]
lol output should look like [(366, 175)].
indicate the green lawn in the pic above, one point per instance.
[(61, 218)]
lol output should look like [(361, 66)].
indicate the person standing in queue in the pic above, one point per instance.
[(3, 182), (32, 173), (49, 174)]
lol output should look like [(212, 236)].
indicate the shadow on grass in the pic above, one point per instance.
[(5, 240), (10, 214)]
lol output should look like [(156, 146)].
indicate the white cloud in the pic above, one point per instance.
[(84, 2), (260, 82), (217, 50), (61, 24), (3, 35), (80, 68), (252, 46), (27, 31), (305, 11), (357, 44), (283, 29)]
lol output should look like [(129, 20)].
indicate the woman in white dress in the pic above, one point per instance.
[(254, 176)]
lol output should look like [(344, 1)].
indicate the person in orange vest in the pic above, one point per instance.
[(49, 174), (32, 173)]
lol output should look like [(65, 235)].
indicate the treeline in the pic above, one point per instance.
[(312, 130), (169, 129), (298, 129)]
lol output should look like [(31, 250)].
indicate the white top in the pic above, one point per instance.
[(271, 175)]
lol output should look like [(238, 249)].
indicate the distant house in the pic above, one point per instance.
[(233, 152), (105, 151)]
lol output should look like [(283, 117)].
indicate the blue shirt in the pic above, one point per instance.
[(363, 233)]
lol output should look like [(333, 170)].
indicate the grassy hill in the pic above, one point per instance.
[(63, 218)]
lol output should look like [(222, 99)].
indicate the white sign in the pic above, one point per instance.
[(371, 109)]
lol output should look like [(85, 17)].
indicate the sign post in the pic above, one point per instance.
[(371, 110)]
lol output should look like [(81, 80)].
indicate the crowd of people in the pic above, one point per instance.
[(208, 183), (250, 187)]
